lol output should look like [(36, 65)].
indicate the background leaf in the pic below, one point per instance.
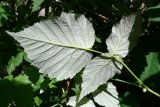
[(153, 66), (14, 62), (154, 7), (36, 5), (16, 89)]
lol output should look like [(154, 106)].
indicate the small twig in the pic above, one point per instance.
[(102, 16), (95, 13), (126, 82), (138, 80)]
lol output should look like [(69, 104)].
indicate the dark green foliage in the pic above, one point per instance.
[(21, 85)]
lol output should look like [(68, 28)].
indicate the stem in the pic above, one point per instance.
[(139, 81), (126, 82), (120, 61)]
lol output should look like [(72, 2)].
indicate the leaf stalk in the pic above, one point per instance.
[(139, 81), (141, 84)]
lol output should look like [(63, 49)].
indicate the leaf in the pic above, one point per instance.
[(6, 92), (118, 42), (154, 7), (155, 19), (89, 104), (37, 100), (153, 66), (36, 5), (21, 79), (72, 101), (109, 98), (14, 62), (58, 47), (97, 72), (4, 14), (22, 87), (85, 103)]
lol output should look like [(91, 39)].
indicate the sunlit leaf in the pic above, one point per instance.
[(54, 46), (97, 72), (108, 97), (85, 103), (14, 62), (72, 101), (118, 42)]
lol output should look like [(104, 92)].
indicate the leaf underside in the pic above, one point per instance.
[(97, 72), (109, 98), (85, 103), (56, 46), (117, 42)]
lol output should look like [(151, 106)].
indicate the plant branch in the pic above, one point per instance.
[(126, 82), (109, 55), (94, 13), (139, 81)]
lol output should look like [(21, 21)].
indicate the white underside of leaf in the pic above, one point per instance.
[(109, 98), (88, 104), (97, 72), (56, 46), (72, 102), (118, 42)]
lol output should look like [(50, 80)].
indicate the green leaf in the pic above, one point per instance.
[(14, 62), (38, 101), (98, 40), (6, 92), (97, 72), (21, 79), (17, 89), (154, 7), (3, 15), (57, 47), (156, 19), (36, 5), (52, 84), (108, 97), (117, 42), (153, 66), (37, 86), (23, 92)]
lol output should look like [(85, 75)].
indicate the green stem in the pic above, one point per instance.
[(126, 82), (139, 81), (120, 61)]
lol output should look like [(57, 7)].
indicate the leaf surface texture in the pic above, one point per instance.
[(57, 46)]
